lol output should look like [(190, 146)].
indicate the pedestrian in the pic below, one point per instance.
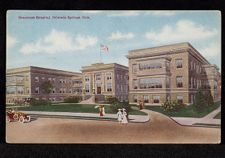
[(124, 118), (103, 110), (100, 110), (119, 116)]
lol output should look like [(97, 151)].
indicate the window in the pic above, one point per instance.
[(146, 83), (179, 63), (134, 68), (135, 98), (37, 90), (43, 78), (215, 85), (167, 82), (98, 77), (109, 76), (109, 87), (61, 90), (180, 99), (146, 98), (135, 84), (87, 88), (156, 99), (179, 81), (27, 90), (53, 90), (145, 66), (86, 78), (20, 90), (53, 79), (36, 79), (49, 79), (11, 90)]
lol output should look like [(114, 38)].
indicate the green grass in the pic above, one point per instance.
[(218, 116), (188, 111), (207, 125), (81, 108)]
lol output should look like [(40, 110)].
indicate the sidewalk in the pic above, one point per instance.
[(208, 119), (132, 118)]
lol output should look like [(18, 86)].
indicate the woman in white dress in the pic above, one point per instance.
[(119, 115), (124, 120)]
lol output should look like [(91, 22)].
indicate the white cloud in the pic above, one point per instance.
[(212, 50), (58, 42), (183, 31), (161, 13), (11, 41), (120, 36), (124, 13)]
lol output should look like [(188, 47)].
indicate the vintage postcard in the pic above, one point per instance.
[(91, 76)]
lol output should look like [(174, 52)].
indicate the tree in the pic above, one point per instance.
[(46, 87), (200, 101), (209, 98)]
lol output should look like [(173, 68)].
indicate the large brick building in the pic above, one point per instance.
[(26, 82), (105, 80), (170, 72)]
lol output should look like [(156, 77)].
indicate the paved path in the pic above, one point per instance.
[(208, 119), (132, 118)]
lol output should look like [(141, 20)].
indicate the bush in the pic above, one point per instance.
[(72, 99), (172, 106), (119, 105), (111, 99), (200, 101), (35, 102)]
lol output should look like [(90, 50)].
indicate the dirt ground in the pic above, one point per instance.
[(160, 129)]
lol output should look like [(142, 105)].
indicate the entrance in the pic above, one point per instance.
[(98, 90)]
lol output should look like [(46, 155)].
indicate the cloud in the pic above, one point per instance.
[(59, 42), (121, 36), (11, 41), (184, 30), (161, 13), (212, 50), (124, 13)]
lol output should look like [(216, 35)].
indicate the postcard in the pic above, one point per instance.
[(117, 77)]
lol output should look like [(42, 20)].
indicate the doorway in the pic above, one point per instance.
[(98, 90)]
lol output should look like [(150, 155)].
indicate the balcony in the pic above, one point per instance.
[(149, 72)]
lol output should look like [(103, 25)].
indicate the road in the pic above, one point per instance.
[(160, 129)]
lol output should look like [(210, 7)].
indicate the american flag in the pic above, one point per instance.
[(104, 48)]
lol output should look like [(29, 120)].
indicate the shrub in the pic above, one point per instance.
[(35, 102), (111, 99), (119, 105), (72, 99), (172, 106)]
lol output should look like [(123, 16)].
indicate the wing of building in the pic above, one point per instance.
[(170, 72)]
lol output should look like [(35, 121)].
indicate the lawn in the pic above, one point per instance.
[(218, 116), (81, 108), (188, 111)]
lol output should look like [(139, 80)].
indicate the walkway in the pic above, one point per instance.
[(208, 119), (132, 118)]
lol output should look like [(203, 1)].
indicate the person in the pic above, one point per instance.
[(119, 116), (124, 118), (100, 110), (103, 110)]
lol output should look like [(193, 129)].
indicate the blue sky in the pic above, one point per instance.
[(69, 44)]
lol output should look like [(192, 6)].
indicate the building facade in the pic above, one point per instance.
[(104, 80), (171, 72), (22, 83)]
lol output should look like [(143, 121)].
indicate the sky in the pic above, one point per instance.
[(68, 40)]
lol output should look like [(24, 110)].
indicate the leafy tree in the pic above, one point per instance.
[(209, 98), (200, 101), (46, 87)]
